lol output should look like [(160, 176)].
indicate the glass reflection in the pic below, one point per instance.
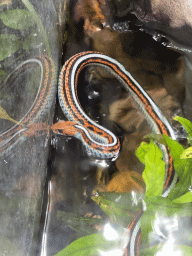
[(110, 233), (169, 249), (116, 252)]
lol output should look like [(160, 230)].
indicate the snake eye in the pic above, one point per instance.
[(60, 131), (90, 128)]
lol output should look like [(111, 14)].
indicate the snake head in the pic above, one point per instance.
[(65, 128)]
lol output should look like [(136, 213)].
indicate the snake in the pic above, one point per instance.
[(98, 141), (40, 106)]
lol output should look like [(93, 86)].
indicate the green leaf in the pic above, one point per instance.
[(154, 172), (162, 207), (3, 75), (17, 19), (89, 246), (82, 225), (140, 182), (4, 115), (186, 198), (187, 153), (32, 41), (151, 251), (147, 221), (124, 200), (167, 207), (141, 151), (187, 250), (176, 149), (157, 137), (9, 44), (187, 125), (116, 214), (182, 186)]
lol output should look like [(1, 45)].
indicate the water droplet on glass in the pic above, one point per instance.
[(63, 149), (102, 163), (92, 95), (54, 141)]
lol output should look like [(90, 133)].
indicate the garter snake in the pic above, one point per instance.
[(100, 142), (40, 104)]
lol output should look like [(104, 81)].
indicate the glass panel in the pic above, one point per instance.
[(29, 64), (98, 206), (65, 188)]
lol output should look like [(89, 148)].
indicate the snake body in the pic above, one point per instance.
[(100, 142), (38, 110)]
